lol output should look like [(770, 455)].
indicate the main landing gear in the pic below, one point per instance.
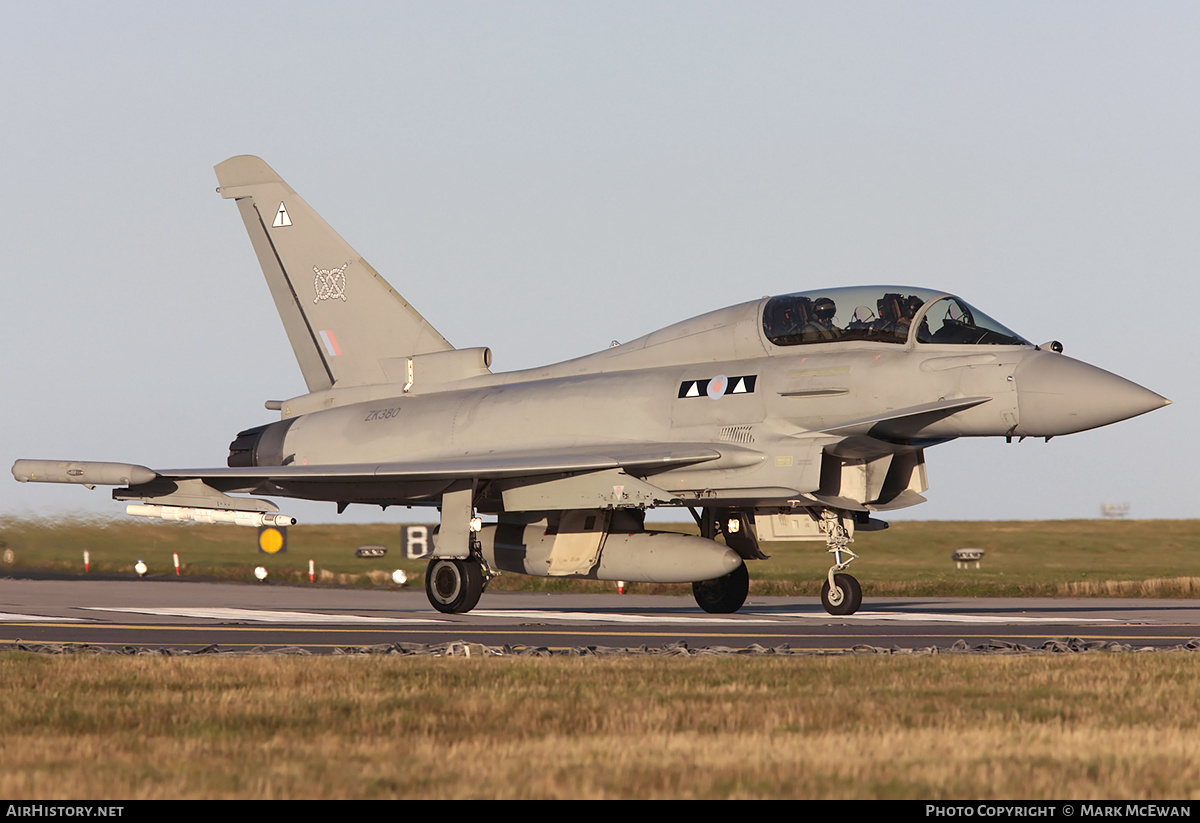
[(457, 575), (725, 595), (454, 586)]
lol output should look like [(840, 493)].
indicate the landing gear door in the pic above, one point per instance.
[(577, 545), (782, 526)]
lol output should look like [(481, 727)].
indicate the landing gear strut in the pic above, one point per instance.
[(841, 593)]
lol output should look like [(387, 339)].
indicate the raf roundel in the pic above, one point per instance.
[(717, 386)]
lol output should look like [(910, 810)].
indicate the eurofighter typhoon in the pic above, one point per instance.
[(795, 417)]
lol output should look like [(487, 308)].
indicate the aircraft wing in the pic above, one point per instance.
[(638, 457), (585, 477), (637, 460)]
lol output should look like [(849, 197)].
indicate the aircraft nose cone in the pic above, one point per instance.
[(1058, 395)]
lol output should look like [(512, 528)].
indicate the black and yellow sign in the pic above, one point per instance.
[(272, 539)]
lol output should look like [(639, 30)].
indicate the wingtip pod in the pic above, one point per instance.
[(81, 472)]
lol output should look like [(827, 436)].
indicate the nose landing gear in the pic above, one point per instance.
[(841, 593)]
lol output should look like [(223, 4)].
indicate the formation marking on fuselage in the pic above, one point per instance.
[(718, 386)]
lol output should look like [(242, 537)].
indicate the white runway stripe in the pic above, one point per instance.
[(569, 617), (263, 616), (37, 618), (608, 617), (933, 617)]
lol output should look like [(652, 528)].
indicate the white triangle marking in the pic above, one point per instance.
[(281, 217)]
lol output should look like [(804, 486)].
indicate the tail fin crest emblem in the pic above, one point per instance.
[(330, 284)]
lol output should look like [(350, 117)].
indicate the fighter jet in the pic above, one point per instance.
[(793, 417)]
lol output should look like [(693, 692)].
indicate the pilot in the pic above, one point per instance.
[(787, 317), (896, 313), (912, 305), (820, 322)]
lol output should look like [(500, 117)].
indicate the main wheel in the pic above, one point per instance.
[(453, 586), (845, 598), (724, 595)]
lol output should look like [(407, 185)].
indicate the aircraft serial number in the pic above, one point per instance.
[(382, 414)]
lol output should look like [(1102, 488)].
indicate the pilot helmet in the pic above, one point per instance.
[(824, 308)]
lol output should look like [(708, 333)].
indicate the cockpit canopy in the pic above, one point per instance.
[(882, 314)]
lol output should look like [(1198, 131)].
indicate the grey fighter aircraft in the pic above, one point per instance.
[(786, 418)]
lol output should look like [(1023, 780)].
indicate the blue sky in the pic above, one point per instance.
[(542, 178)]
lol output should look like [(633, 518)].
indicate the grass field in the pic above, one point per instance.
[(1092, 726), (1075, 557), (1099, 725)]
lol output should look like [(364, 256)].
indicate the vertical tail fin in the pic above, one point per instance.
[(347, 326)]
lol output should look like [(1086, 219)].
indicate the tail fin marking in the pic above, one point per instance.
[(342, 318)]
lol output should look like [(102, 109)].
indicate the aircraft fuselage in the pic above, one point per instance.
[(780, 419)]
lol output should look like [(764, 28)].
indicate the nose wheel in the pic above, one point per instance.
[(843, 596)]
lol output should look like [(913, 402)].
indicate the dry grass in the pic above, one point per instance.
[(1154, 587), (1091, 726), (1043, 558)]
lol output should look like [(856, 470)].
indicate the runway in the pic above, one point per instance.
[(188, 615)]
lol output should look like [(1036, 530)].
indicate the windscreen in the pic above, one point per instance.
[(883, 314)]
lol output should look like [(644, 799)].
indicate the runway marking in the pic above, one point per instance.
[(263, 616), (36, 618), (602, 617), (551, 616), (935, 617)]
